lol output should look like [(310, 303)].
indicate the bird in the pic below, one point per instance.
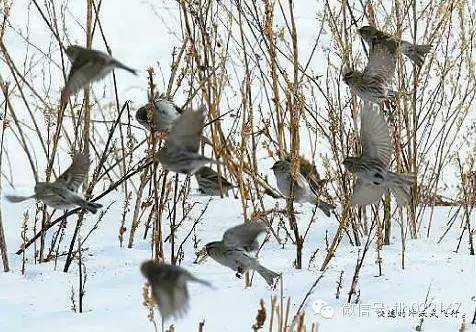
[(309, 171), (158, 117), (416, 53), (169, 287), (232, 251), (180, 151), (87, 66), (373, 84), (62, 193), (302, 190), (211, 183), (372, 167)]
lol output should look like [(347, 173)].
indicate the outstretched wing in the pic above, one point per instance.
[(244, 236), (86, 66), (382, 59), (187, 130), (375, 136), (74, 176)]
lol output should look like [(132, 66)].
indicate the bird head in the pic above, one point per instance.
[(281, 166), (73, 52), (149, 267), (349, 77), (211, 248), (367, 32), (142, 116)]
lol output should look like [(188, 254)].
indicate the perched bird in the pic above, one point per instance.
[(309, 171), (211, 183), (373, 84), (62, 193), (232, 251), (158, 117), (302, 190), (180, 152), (372, 167), (416, 53), (88, 66), (169, 287)]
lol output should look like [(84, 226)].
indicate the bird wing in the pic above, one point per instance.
[(302, 182), (84, 71), (169, 287), (244, 236), (375, 136), (172, 301), (365, 193), (187, 130), (74, 176), (382, 59)]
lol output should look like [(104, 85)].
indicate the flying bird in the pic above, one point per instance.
[(373, 84), (180, 152), (88, 66), (416, 53), (233, 250), (62, 193), (372, 167), (169, 287)]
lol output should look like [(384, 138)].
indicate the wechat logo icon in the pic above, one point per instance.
[(321, 307)]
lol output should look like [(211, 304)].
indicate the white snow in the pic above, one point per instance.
[(142, 34)]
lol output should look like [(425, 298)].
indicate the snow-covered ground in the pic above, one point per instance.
[(434, 277), (142, 35)]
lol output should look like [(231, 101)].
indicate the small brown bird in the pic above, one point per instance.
[(62, 193), (162, 115), (416, 53), (180, 152), (372, 167), (232, 251), (309, 171), (169, 287), (302, 190), (211, 183), (373, 84), (88, 66)]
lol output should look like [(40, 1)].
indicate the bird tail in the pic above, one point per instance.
[(325, 207), (399, 185), (416, 53), (130, 70), (268, 275), (91, 207), (201, 281), (17, 199)]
